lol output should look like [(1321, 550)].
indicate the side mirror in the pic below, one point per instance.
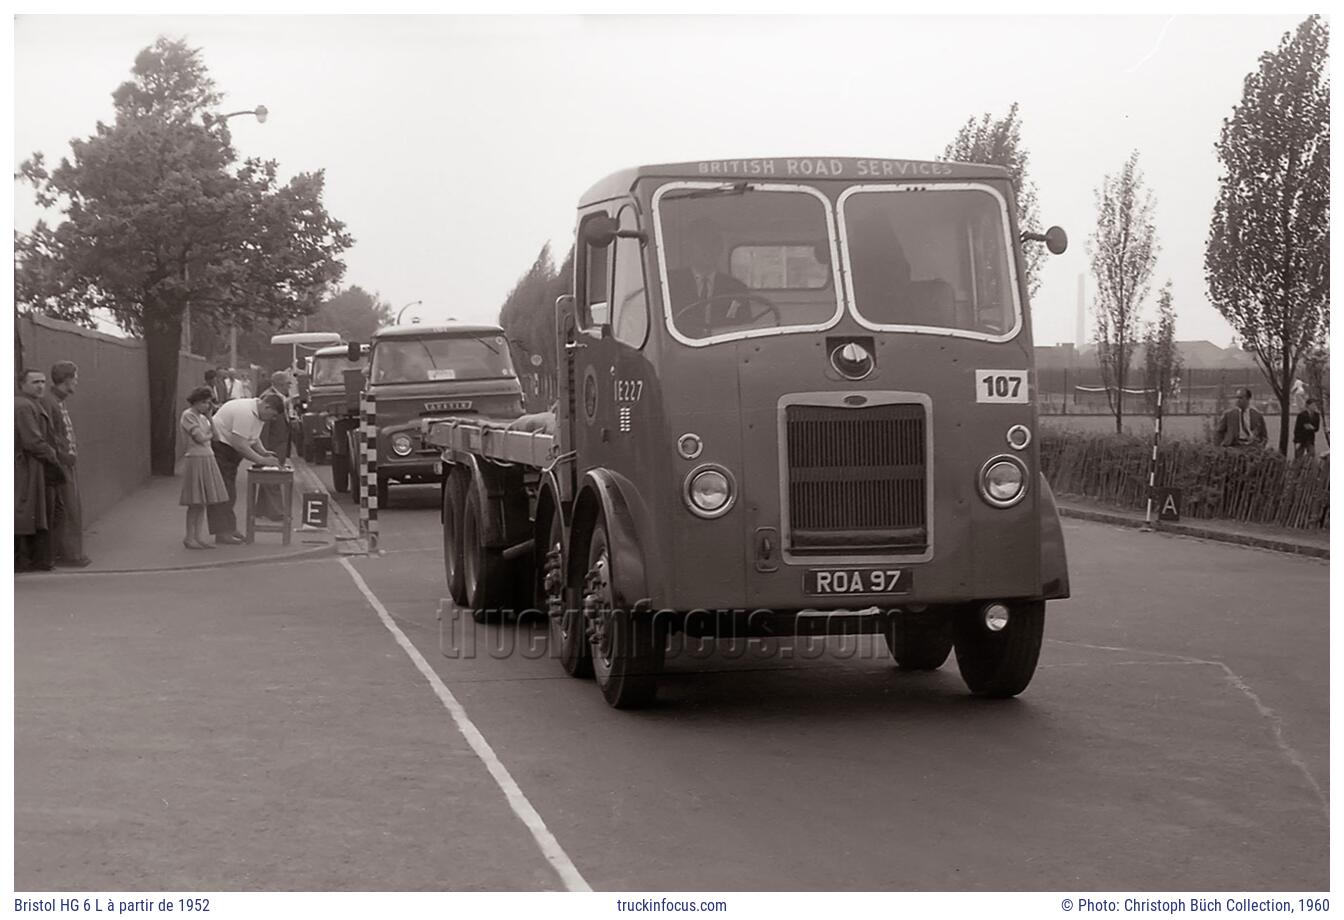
[(352, 352), (599, 231), (1055, 239)]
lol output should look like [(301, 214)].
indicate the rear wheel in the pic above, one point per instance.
[(920, 641), (452, 538), (382, 492), (565, 618), (626, 647), (999, 664), (340, 469), (484, 571)]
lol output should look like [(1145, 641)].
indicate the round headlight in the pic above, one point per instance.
[(401, 445), (1003, 482), (709, 491)]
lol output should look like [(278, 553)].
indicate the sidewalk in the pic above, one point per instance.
[(1303, 542), (143, 532)]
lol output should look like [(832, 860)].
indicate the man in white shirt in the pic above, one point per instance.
[(238, 426)]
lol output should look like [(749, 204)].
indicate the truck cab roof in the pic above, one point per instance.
[(336, 350), (785, 169), (420, 330)]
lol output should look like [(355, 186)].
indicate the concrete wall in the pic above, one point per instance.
[(110, 410)]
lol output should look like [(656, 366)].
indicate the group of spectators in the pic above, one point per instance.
[(1244, 426), (48, 525), (221, 431)]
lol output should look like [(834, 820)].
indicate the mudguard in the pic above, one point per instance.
[(1054, 562), (503, 501), (614, 498)]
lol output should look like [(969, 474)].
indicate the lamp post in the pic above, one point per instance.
[(407, 307), (261, 113)]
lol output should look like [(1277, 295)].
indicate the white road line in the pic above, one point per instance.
[(1273, 718), (550, 847)]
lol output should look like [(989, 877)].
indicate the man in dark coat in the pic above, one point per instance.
[(37, 471), (703, 298), (1242, 426), (1304, 430), (67, 530)]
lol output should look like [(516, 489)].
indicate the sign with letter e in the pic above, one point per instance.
[(1168, 503), (315, 510)]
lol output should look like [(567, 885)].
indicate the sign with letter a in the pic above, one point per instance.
[(1168, 504), (315, 510)]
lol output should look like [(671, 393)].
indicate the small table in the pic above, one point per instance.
[(258, 476)]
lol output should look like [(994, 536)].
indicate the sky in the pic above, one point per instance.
[(456, 147)]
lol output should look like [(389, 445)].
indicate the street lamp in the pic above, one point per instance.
[(405, 308), (261, 113)]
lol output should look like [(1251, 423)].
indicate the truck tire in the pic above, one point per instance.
[(484, 571), (340, 470), (626, 646), (999, 664), (920, 641), (382, 492), (454, 506), (566, 621)]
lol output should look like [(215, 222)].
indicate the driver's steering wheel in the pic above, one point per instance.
[(770, 307)]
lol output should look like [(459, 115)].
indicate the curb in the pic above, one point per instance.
[(1203, 533)]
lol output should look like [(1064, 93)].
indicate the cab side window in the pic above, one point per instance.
[(595, 309), (629, 295)]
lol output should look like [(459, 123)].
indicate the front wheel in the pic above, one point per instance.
[(382, 492), (626, 646), (340, 470), (999, 664)]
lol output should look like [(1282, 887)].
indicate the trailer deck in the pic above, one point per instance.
[(491, 438)]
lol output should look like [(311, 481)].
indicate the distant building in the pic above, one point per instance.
[(1195, 355)]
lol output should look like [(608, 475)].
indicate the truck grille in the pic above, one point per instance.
[(856, 479)]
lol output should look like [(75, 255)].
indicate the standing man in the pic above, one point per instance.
[(1308, 423), (238, 425), (1242, 426), (275, 436), (37, 470), (219, 381), (67, 530)]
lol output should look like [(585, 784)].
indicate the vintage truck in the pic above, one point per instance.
[(795, 395), (419, 372), (326, 400)]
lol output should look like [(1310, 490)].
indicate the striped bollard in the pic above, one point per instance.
[(368, 472), (1152, 462)]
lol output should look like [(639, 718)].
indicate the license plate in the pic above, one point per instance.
[(854, 581)]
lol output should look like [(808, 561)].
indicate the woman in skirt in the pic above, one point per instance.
[(201, 483)]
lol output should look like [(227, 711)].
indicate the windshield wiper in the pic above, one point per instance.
[(486, 343), (729, 188)]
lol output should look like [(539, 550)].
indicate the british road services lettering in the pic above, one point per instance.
[(829, 168)]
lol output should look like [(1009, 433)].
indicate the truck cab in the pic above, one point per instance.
[(420, 372), (325, 399)]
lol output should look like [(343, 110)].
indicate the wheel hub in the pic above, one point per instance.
[(597, 605)]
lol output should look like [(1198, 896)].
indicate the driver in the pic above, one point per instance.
[(703, 298)]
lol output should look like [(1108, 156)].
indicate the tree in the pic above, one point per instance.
[(354, 313), (1161, 358), (1123, 250), (998, 141), (159, 215), (528, 313), (1268, 258)]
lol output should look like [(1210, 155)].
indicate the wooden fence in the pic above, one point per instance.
[(1253, 486)]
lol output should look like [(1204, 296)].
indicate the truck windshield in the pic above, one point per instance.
[(329, 370), (458, 357), (935, 257), (745, 259)]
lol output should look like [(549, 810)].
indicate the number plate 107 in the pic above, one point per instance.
[(993, 386)]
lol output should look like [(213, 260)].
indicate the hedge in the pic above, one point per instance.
[(1253, 486)]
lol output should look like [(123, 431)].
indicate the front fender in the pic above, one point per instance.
[(1054, 561), (615, 500)]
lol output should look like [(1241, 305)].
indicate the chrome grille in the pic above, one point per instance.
[(856, 478)]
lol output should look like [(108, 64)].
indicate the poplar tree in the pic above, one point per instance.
[(1268, 258)]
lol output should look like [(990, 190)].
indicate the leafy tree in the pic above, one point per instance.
[(528, 313), (354, 313), (1161, 358), (159, 214), (998, 141), (1268, 258), (1123, 250)]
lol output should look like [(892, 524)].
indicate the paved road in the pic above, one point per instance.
[(207, 731)]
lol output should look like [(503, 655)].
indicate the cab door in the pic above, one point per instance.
[(592, 353)]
